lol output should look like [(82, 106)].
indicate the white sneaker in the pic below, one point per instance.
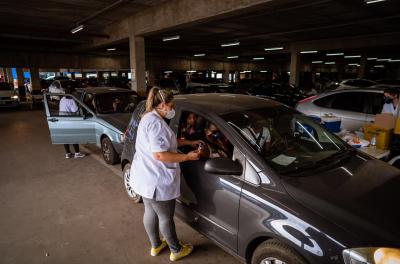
[(79, 155), (68, 155)]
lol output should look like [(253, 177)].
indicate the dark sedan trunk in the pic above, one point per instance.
[(361, 195)]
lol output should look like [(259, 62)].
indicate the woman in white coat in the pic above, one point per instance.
[(155, 173)]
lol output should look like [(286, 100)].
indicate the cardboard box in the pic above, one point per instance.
[(382, 135), (385, 120)]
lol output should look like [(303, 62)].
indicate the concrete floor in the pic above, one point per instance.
[(54, 210)]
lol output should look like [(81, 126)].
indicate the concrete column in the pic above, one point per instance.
[(138, 64), (10, 78), (362, 68), (294, 68), (20, 77), (35, 79)]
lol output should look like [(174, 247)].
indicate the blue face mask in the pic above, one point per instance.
[(216, 135)]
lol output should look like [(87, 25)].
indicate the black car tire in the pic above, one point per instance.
[(276, 252), (136, 198), (109, 154)]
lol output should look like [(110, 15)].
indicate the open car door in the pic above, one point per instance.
[(69, 128)]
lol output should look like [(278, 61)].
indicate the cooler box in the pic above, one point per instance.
[(332, 123), (382, 135), (316, 119)]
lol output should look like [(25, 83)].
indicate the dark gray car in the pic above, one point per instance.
[(303, 197)]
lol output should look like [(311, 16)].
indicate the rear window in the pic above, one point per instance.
[(347, 101)]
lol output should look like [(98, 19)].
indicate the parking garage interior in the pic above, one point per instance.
[(55, 210)]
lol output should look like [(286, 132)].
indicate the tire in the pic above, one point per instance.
[(110, 156), (126, 175), (275, 252)]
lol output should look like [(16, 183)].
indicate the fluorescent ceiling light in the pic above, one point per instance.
[(379, 66), (372, 58), (230, 44), (394, 60), (352, 56), (335, 54), (317, 62), (263, 71), (200, 55), (77, 29), (353, 64), (111, 49), (330, 62), (258, 58), (373, 1), (308, 51), (383, 59), (168, 72), (233, 57), (171, 38), (274, 48), (245, 71), (191, 71)]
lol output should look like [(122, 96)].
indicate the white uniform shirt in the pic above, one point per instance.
[(389, 108), (67, 106), (149, 177), (257, 139)]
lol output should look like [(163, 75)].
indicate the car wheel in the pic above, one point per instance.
[(274, 252), (109, 153), (136, 198)]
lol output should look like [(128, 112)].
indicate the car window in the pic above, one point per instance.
[(375, 103), (286, 139), (195, 127), (349, 101), (66, 106), (56, 84), (324, 101), (121, 102)]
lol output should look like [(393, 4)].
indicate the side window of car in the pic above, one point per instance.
[(57, 85), (375, 103), (349, 101), (324, 101), (66, 106)]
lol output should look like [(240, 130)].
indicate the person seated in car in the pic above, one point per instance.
[(391, 101), (117, 105), (189, 130), (258, 134), (216, 144)]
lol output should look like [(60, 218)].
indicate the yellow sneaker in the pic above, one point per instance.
[(155, 251), (185, 250)]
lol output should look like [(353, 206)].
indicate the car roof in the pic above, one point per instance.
[(103, 90), (223, 103), (365, 90)]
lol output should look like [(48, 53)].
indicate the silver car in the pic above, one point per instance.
[(353, 106)]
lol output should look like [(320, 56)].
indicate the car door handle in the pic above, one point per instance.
[(53, 119)]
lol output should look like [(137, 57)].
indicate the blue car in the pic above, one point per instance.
[(102, 119)]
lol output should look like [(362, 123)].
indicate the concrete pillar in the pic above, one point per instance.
[(362, 68), (35, 79), (138, 64), (20, 77), (295, 68), (10, 78)]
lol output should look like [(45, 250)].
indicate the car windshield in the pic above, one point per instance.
[(109, 103), (5, 86), (287, 140)]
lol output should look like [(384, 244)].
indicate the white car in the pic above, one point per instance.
[(356, 83), (353, 106), (8, 96)]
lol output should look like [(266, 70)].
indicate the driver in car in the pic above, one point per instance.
[(216, 144)]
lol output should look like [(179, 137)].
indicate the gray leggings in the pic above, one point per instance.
[(159, 216)]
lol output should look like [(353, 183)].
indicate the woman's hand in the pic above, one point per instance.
[(193, 155), (195, 143)]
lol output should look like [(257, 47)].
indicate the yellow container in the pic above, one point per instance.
[(382, 135), (397, 126)]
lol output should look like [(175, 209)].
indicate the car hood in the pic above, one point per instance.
[(7, 93), (119, 121), (361, 195)]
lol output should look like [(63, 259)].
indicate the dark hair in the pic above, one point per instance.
[(391, 91), (157, 96)]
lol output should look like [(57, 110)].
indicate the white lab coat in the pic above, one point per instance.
[(389, 108), (149, 177)]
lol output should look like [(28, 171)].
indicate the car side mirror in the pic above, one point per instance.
[(223, 166)]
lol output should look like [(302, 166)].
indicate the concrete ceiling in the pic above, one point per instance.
[(44, 24)]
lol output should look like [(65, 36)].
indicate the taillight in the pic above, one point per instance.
[(308, 99)]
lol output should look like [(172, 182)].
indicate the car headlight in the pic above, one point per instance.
[(15, 97), (371, 256)]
